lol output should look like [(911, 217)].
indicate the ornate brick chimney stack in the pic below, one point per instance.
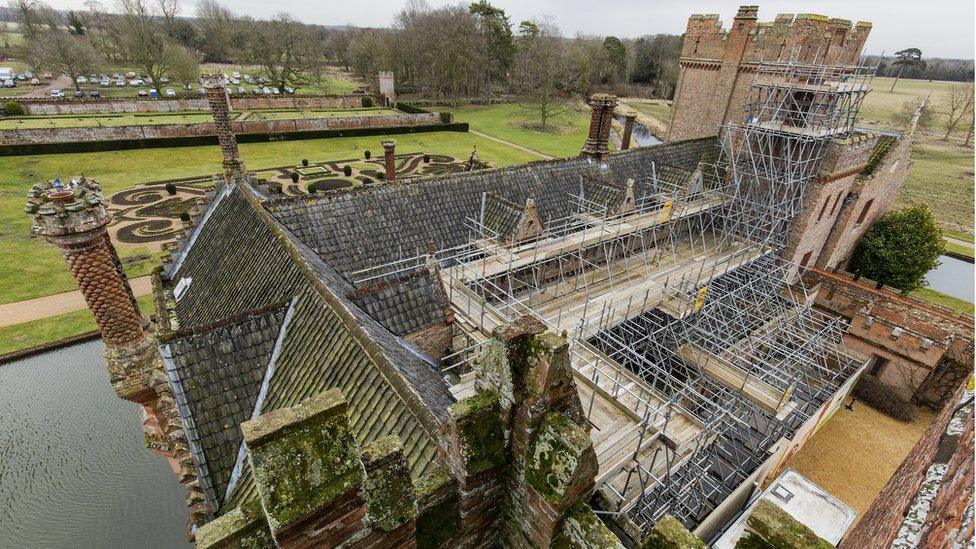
[(74, 218), (389, 156), (597, 146), (628, 130), (213, 85)]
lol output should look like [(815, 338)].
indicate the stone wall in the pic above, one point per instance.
[(717, 65), (36, 106), (167, 131)]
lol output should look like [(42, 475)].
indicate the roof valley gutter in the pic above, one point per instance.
[(262, 394), (303, 258)]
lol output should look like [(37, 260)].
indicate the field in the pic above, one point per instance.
[(564, 135), (45, 272), (114, 120)]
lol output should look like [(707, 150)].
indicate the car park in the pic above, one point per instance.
[(105, 82), (35, 82), (57, 94), (120, 83), (79, 94)]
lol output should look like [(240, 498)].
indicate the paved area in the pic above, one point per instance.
[(62, 83), (52, 305)]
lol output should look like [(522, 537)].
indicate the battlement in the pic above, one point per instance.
[(805, 37)]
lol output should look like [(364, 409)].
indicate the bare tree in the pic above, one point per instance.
[(216, 27), (959, 107), (288, 51), (33, 17), (142, 39), (541, 72), (184, 66), (63, 53)]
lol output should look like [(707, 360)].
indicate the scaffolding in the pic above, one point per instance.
[(694, 349)]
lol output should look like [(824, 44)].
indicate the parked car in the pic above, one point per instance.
[(105, 82), (57, 94), (120, 83), (235, 81), (266, 90), (136, 83), (236, 75), (274, 90), (35, 82), (81, 80), (131, 74), (289, 89), (154, 93), (241, 89), (79, 94), (94, 94), (9, 83), (164, 80), (143, 93), (170, 92)]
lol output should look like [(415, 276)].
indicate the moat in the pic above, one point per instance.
[(74, 471)]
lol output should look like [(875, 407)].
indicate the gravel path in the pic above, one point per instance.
[(52, 305)]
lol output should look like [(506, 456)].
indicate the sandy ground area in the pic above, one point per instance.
[(51, 305), (855, 453)]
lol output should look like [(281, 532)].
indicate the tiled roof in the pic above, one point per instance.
[(500, 217), (372, 225), (217, 372), (405, 305)]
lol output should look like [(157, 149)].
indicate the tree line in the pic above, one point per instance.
[(439, 53)]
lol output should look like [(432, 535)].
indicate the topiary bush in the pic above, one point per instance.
[(14, 108), (883, 398), (426, 159), (311, 188), (347, 170), (900, 248), (367, 101), (305, 162), (184, 217), (170, 189), (294, 177), (367, 154)]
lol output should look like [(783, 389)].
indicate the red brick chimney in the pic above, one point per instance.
[(597, 146), (213, 85), (389, 157), (628, 130), (73, 217)]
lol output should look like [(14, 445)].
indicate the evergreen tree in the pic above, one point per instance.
[(900, 248)]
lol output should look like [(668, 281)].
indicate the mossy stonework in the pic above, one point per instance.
[(303, 457), (558, 452), (479, 427), (582, 529), (240, 528), (668, 533), (770, 526), (390, 497)]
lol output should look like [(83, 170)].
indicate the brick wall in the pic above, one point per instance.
[(163, 131), (714, 74), (108, 105)]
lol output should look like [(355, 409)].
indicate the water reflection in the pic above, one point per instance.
[(640, 136), (953, 277), (74, 471)]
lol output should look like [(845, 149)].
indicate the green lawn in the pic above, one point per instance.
[(31, 269), (37, 332), (661, 111), (959, 305), (563, 137), (941, 176), (960, 249), (882, 107)]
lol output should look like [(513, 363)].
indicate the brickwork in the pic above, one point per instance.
[(597, 147), (42, 106), (389, 159), (242, 127), (628, 130), (928, 348), (716, 64), (219, 103)]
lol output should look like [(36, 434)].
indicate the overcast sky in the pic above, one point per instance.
[(940, 28)]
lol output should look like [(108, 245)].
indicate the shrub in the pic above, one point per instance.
[(367, 154), (305, 162), (347, 170), (294, 177), (184, 217), (170, 189), (446, 117), (426, 159), (311, 188), (14, 108), (367, 101), (883, 398), (900, 248)]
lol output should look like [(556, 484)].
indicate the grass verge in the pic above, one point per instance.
[(565, 133), (961, 306), (37, 332)]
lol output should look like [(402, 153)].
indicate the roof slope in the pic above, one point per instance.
[(218, 371)]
